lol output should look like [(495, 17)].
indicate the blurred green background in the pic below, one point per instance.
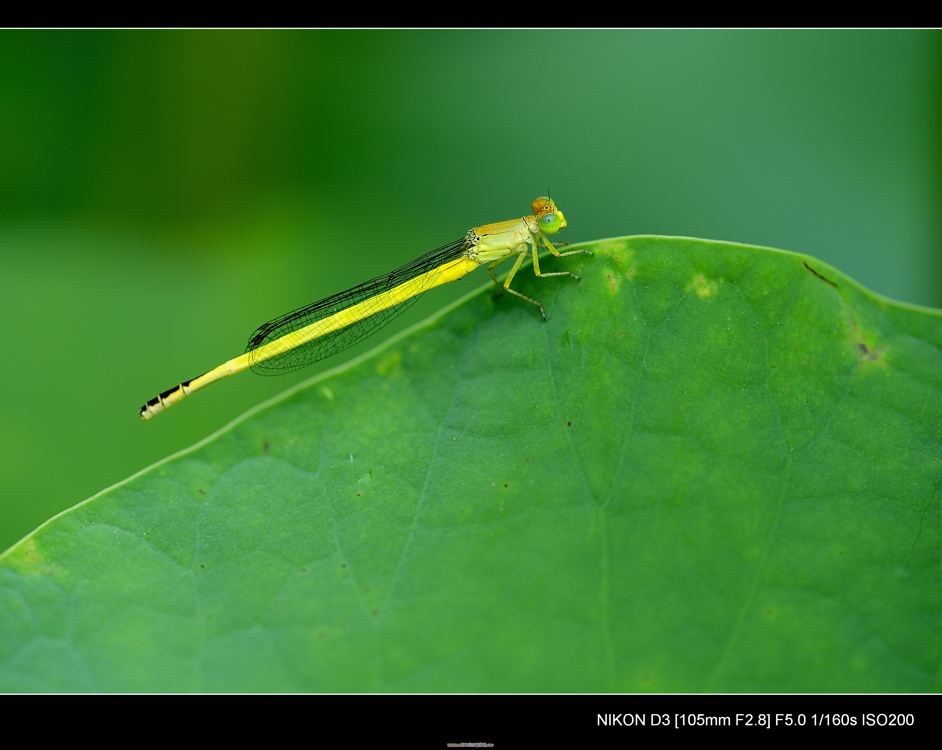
[(162, 193)]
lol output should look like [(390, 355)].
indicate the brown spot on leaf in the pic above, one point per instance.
[(823, 278), (872, 354)]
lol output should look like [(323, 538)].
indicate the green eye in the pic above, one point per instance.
[(549, 224)]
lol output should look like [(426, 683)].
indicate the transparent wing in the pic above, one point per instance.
[(336, 341)]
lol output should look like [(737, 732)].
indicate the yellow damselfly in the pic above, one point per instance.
[(325, 328)]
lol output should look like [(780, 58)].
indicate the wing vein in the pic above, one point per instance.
[(320, 330)]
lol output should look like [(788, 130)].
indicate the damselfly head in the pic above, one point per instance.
[(550, 218)]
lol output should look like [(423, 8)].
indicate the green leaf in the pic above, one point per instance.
[(715, 468)]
